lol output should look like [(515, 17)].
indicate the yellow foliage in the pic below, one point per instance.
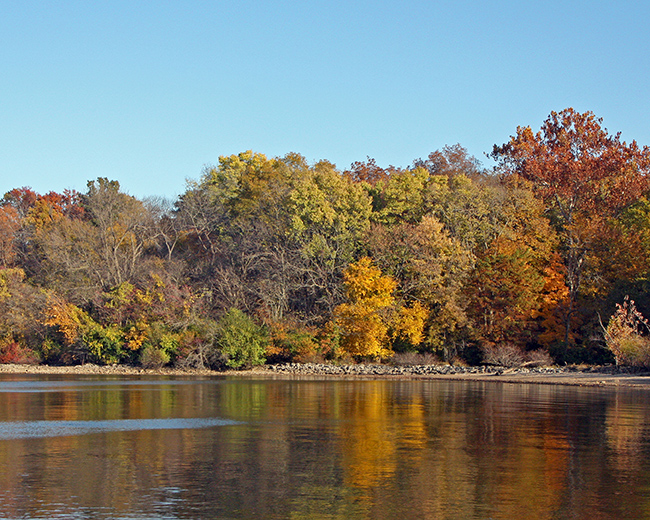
[(5, 276), (363, 326), (136, 335), (365, 283), (409, 323), (42, 215), (364, 333), (66, 317)]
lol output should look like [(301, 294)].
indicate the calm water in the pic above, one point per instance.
[(236, 448)]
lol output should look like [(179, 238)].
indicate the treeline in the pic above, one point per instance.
[(276, 259)]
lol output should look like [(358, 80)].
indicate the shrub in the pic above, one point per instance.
[(414, 358), (197, 347), (503, 354), (14, 353), (242, 342), (539, 357), (292, 343), (624, 336), (152, 357)]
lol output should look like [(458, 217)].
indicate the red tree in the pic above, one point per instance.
[(584, 175)]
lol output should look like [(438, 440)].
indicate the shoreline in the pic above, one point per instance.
[(568, 376)]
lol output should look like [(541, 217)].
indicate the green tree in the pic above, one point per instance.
[(240, 340)]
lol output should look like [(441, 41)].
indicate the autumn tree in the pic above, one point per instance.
[(368, 172), (431, 268), (236, 222), (583, 174), (123, 230), (362, 319), (21, 304), (400, 197), (16, 205), (273, 235), (620, 259), (329, 215), (452, 160), (9, 226)]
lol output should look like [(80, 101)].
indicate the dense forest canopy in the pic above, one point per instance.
[(277, 259)]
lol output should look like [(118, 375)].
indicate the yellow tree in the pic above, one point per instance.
[(364, 319)]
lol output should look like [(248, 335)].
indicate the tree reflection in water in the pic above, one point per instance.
[(159, 448)]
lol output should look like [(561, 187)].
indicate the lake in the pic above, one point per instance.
[(232, 448)]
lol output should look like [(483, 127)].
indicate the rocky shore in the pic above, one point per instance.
[(582, 375), (566, 375), (422, 370)]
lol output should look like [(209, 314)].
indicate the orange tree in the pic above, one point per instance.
[(584, 175)]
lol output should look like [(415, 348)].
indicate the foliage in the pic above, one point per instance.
[(408, 324), (292, 343), (152, 357), (242, 342), (15, 353), (21, 305), (626, 336), (9, 225), (441, 258), (584, 175), (451, 161), (363, 321), (83, 338), (504, 293)]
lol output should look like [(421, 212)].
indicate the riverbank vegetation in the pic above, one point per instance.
[(275, 260)]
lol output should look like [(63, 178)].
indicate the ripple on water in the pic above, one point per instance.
[(40, 429)]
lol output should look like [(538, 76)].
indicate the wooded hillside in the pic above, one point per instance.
[(277, 259)]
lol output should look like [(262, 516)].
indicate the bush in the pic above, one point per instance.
[(292, 343), (414, 358), (152, 357), (240, 340), (624, 336), (14, 353), (539, 357), (196, 347), (503, 354)]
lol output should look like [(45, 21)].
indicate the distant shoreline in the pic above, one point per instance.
[(547, 376)]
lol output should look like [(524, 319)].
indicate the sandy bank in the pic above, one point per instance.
[(608, 376)]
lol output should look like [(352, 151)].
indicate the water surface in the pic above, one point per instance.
[(102, 447)]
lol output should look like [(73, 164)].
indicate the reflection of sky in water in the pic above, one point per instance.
[(77, 386), (39, 429)]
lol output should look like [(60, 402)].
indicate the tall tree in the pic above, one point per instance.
[(363, 319), (450, 161), (584, 175), (431, 268), (9, 226)]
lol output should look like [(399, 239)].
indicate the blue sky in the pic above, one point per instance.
[(147, 93)]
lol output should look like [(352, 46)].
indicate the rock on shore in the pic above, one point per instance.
[(424, 370), (529, 373)]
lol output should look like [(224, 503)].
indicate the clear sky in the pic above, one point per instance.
[(147, 93)]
